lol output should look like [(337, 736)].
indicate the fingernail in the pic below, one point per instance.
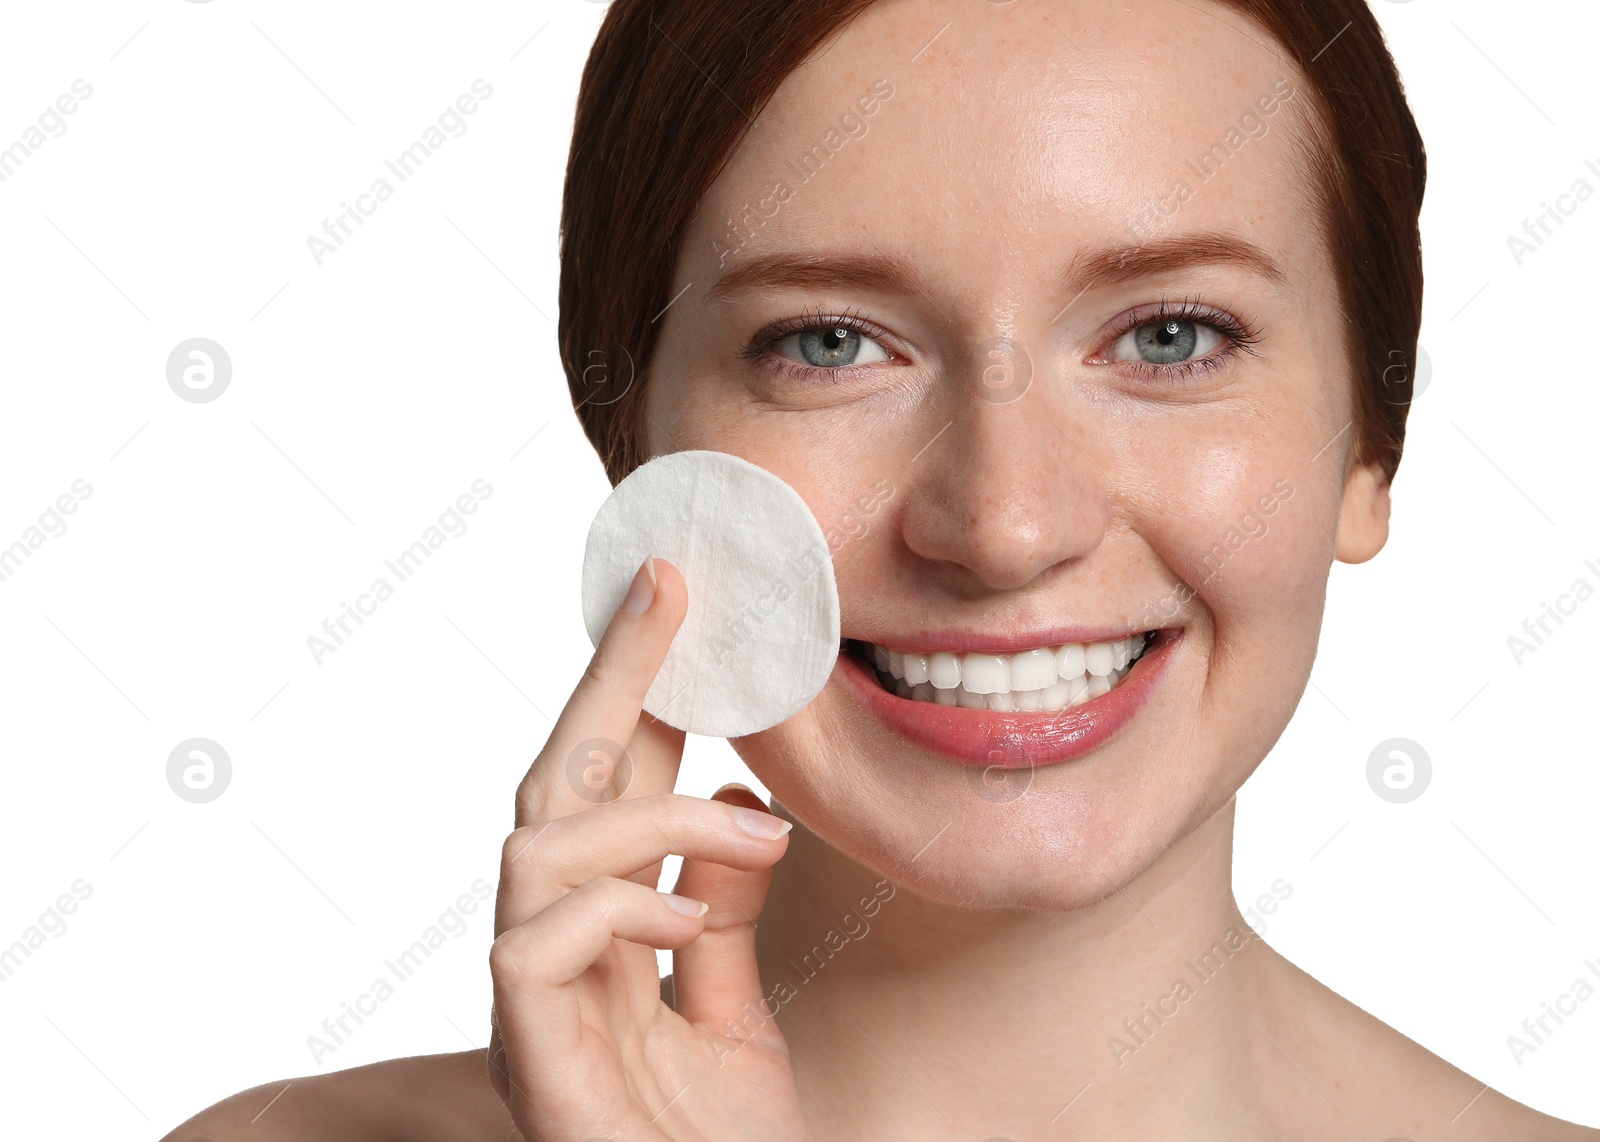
[(758, 824), (685, 906), (642, 591)]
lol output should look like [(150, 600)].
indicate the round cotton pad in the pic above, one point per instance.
[(762, 630)]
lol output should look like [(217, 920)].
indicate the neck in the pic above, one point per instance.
[(977, 1024)]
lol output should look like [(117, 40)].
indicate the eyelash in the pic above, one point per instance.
[(773, 334), (1239, 337)]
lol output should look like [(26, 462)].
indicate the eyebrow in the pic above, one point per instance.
[(809, 271), (1114, 265), (1107, 265)]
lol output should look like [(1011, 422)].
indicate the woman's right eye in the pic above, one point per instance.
[(830, 345)]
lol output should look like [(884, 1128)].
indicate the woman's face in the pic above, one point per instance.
[(927, 292)]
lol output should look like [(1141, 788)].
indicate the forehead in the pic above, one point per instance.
[(1018, 134)]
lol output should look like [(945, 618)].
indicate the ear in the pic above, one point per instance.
[(1363, 515)]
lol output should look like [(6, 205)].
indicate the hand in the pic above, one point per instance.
[(582, 1046)]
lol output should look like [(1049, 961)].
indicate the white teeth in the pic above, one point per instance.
[(944, 670), (1050, 678), (986, 674), (1056, 697), (1033, 669)]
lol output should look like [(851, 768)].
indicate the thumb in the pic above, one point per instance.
[(715, 981)]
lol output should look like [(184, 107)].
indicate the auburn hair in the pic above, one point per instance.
[(656, 124)]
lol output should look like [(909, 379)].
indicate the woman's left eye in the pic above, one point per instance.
[(1178, 342), (830, 346), (1166, 342)]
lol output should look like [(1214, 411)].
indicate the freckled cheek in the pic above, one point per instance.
[(1204, 478), (1192, 495), (786, 757), (1240, 527), (1264, 583), (843, 484)]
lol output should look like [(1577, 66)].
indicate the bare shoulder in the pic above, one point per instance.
[(426, 1098), (1363, 1075)]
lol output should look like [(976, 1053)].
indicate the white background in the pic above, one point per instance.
[(368, 393)]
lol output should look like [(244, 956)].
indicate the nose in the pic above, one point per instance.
[(1013, 486)]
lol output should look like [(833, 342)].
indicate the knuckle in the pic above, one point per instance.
[(676, 806), (530, 794), (518, 852), (601, 671), (580, 903), (505, 957), (604, 898), (683, 822), (699, 818)]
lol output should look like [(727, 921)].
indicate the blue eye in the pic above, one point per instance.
[(831, 346), (1171, 342), (1166, 342)]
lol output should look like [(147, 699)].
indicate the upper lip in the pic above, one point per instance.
[(961, 641)]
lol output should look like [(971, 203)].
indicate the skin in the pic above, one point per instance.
[(1021, 932)]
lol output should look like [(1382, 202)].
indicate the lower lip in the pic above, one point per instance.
[(1013, 741)]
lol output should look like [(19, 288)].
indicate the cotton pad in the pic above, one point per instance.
[(762, 631)]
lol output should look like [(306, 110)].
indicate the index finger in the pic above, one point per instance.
[(603, 717)]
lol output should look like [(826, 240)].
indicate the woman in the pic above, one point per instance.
[(1087, 316)]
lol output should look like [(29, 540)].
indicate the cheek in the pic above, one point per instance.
[(844, 465), (799, 763), (1247, 524)]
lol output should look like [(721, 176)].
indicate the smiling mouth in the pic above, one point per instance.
[(1047, 679)]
